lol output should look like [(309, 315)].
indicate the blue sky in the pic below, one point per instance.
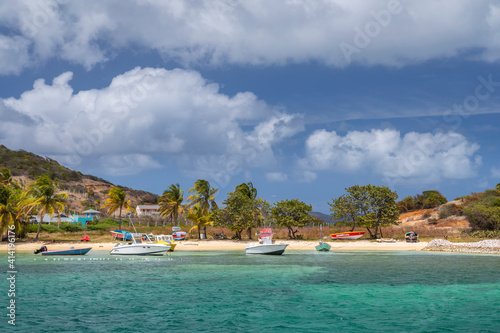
[(302, 98)]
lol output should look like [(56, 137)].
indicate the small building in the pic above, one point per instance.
[(47, 219), (147, 210)]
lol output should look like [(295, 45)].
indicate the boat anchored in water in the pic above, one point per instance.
[(66, 252), (323, 247), (266, 244), (165, 239), (141, 245)]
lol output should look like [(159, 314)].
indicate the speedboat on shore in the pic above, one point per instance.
[(66, 252), (265, 244), (141, 245), (347, 235), (165, 239)]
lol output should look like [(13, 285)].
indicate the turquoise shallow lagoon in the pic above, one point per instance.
[(233, 292)]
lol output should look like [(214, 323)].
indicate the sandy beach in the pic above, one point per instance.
[(231, 245)]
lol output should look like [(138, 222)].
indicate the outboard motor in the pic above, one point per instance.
[(42, 249)]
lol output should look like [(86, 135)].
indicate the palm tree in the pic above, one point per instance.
[(9, 209), (43, 197), (116, 201), (199, 219), (203, 197), (6, 178), (171, 202)]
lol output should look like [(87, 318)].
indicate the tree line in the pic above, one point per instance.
[(368, 206)]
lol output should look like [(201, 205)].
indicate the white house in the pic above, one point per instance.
[(147, 210)]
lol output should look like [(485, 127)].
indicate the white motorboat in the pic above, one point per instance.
[(265, 244), (141, 245)]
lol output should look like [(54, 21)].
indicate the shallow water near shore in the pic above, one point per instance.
[(301, 291)]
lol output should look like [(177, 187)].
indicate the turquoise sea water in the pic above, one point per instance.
[(231, 292)]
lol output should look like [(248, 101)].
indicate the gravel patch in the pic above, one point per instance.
[(488, 246)]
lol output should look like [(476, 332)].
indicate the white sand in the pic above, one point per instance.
[(230, 245)]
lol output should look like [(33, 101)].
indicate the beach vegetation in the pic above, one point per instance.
[(369, 206), (10, 212), (171, 203), (429, 199), (484, 213), (100, 227), (70, 227), (199, 219), (242, 212), (117, 201), (291, 214), (203, 195), (42, 197), (248, 190)]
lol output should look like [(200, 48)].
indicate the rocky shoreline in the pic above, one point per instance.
[(489, 246)]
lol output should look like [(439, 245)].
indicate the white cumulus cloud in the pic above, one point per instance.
[(260, 32), (143, 113), (410, 158)]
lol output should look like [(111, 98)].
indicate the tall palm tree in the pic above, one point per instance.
[(203, 197), (43, 197), (171, 202), (117, 201), (199, 219)]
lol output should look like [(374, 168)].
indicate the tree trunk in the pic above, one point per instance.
[(199, 231), (40, 224), (249, 230), (290, 233), (120, 219)]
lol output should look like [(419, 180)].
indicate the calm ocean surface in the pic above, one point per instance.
[(232, 292)]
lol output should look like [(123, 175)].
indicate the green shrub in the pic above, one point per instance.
[(100, 226), (45, 228), (449, 210), (32, 228), (484, 213), (485, 234), (70, 227), (108, 220)]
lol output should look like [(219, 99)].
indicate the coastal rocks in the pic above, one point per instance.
[(489, 246)]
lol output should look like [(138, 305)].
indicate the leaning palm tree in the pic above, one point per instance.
[(203, 197), (171, 202), (199, 219), (6, 178), (116, 202), (42, 196)]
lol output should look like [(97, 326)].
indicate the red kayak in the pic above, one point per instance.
[(347, 235)]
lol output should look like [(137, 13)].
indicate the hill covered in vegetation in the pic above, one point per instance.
[(84, 191)]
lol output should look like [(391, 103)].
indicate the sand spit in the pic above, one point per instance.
[(489, 246)]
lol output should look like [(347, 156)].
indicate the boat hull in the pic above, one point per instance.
[(69, 252), (266, 249), (120, 234), (179, 235), (348, 235), (323, 247), (140, 249)]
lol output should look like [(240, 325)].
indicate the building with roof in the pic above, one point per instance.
[(147, 210)]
